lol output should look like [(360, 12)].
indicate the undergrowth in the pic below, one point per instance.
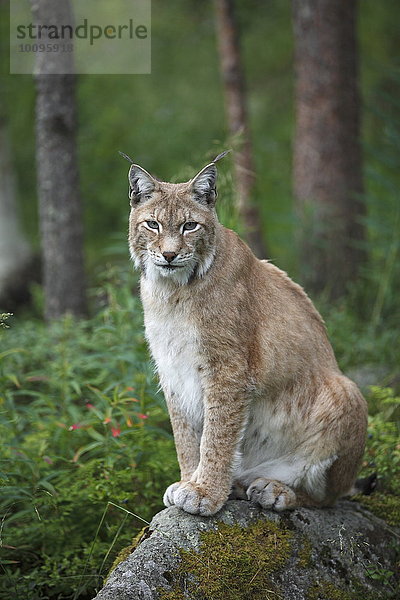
[(81, 425)]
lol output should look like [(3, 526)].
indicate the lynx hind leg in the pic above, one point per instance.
[(352, 429), (270, 493)]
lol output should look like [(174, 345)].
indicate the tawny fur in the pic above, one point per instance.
[(258, 405)]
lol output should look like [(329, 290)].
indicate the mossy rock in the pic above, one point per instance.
[(254, 552), (128, 550), (245, 553)]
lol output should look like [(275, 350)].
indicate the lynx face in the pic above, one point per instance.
[(172, 226)]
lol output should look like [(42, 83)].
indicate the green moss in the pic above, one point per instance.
[(304, 554), (233, 563), (325, 590), (383, 505), (175, 593)]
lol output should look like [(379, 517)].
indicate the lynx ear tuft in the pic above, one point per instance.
[(141, 184), (125, 156), (221, 155), (203, 185)]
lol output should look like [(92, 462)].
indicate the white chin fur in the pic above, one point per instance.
[(178, 276)]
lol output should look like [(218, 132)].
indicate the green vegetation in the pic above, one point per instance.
[(81, 425), (383, 445), (86, 442)]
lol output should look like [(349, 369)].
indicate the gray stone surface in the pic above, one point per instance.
[(343, 542)]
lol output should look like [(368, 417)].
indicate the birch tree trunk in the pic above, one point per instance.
[(60, 208), (235, 101), (327, 154)]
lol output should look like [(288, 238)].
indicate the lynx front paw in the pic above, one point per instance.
[(193, 498), (271, 494), (168, 498)]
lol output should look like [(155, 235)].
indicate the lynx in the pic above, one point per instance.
[(258, 405)]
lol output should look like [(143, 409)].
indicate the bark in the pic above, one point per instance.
[(60, 208), (235, 101), (16, 259), (327, 154)]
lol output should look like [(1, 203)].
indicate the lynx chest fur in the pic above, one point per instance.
[(258, 406), (173, 339)]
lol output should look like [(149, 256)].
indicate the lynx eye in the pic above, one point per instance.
[(152, 225), (190, 226)]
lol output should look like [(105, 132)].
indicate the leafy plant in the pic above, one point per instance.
[(383, 443)]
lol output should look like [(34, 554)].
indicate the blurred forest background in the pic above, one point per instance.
[(81, 422)]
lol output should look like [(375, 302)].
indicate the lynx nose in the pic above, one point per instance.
[(169, 256)]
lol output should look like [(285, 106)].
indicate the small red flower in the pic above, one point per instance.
[(89, 405), (75, 426), (142, 416), (129, 389), (107, 420), (116, 431)]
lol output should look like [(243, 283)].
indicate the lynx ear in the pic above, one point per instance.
[(141, 184), (203, 185)]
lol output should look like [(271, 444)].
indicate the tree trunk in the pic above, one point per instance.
[(327, 154), (17, 268), (16, 258), (235, 101), (57, 167)]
